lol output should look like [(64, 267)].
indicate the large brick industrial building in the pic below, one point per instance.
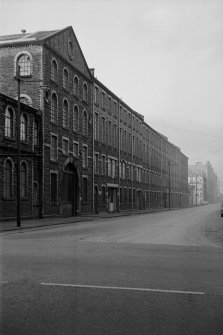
[(95, 153)]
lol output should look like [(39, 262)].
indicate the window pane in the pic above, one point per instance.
[(8, 179), (23, 129), (54, 108), (9, 123), (25, 65), (23, 183)]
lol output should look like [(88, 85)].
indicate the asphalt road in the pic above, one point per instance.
[(157, 273)]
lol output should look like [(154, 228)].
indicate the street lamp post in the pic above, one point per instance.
[(18, 148)]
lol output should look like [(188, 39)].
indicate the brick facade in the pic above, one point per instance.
[(30, 158), (98, 153)]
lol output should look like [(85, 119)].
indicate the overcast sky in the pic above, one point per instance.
[(164, 58)]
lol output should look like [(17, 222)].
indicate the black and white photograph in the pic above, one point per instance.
[(111, 167)]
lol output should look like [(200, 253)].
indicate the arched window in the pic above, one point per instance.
[(36, 133), (65, 114), (85, 92), (75, 85), (54, 108), (9, 118), (54, 70), (25, 99), (7, 185), (23, 127), (84, 124), (75, 118), (65, 78), (24, 62), (23, 180)]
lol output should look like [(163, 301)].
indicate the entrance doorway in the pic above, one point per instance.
[(139, 199), (112, 199), (69, 191)]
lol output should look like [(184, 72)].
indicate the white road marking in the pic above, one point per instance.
[(123, 288)]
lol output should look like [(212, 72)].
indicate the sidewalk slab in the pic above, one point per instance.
[(46, 222)]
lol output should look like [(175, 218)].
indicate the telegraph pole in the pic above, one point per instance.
[(18, 148)]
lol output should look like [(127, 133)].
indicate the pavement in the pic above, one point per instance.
[(52, 221)]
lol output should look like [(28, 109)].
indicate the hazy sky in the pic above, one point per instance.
[(163, 57)]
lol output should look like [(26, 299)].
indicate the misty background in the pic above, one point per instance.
[(164, 58)]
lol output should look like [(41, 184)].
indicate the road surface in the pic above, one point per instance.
[(157, 273)]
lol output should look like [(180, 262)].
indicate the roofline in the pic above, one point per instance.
[(15, 102), (55, 33), (178, 149)]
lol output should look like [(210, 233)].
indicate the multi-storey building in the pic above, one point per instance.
[(212, 185), (56, 80), (98, 153), (30, 159), (199, 190)]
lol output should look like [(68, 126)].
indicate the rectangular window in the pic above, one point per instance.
[(96, 95), (120, 113), (65, 146), (103, 130), (103, 169), (115, 109), (109, 133), (109, 167), (103, 100), (109, 105), (53, 187), (84, 157), (115, 136), (75, 149), (113, 168), (96, 163), (96, 126), (53, 147)]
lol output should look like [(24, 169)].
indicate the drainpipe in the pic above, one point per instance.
[(118, 193), (18, 149), (93, 130), (132, 160)]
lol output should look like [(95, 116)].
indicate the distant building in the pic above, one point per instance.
[(206, 171), (98, 154), (199, 189)]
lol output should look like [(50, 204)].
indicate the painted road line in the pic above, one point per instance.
[(123, 288)]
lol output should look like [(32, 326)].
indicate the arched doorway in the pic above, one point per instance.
[(139, 199), (96, 199), (69, 191)]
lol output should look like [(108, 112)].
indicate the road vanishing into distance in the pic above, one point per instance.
[(156, 273)]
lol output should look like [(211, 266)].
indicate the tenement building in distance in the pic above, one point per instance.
[(85, 150)]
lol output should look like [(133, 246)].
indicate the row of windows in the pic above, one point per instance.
[(10, 126), (25, 62), (74, 122), (76, 89), (66, 149), (9, 190), (126, 171)]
